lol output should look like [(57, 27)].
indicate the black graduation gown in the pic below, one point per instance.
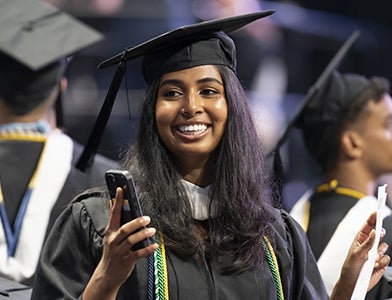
[(78, 181), (74, 248), (327, 210), (17, 163)]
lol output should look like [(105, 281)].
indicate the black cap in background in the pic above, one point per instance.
[(312, 95), (328, 109)]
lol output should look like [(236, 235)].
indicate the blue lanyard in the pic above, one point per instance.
[(12, 234)]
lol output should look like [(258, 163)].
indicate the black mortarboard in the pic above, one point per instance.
[(328, 109), (188, 46), (314, 93), (36, 33)]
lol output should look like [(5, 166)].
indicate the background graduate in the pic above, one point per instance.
[(37, 176)]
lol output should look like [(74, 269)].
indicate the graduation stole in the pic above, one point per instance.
[(343, 233), (323, 188), (157, 285), (12, 234), (18, 254)]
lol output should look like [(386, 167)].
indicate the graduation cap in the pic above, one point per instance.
[(315, 97), (36, 33), (324, 114), (35, 40), (185, 47)]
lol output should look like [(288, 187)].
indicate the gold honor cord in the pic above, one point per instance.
[(273, 264), (160, 289)]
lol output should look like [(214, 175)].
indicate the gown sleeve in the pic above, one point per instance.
[(71, 253), (301, 278)]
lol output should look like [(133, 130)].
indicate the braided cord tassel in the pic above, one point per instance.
[(164, 267), (150, 274), (160, 273), (273, 264)]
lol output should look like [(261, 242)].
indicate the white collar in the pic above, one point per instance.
[(199, 199), (40, 126)]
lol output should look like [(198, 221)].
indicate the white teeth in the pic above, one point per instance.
[(197, 128)]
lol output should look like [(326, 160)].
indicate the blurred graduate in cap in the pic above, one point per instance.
[(199, 172), (37, 179), (346, 126)]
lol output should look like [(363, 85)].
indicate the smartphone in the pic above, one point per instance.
[(131, 206)]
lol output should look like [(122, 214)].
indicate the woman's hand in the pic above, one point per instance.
[(357, 256), (118, 259)]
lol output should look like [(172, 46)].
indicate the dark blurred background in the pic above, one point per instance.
[(279, 58)]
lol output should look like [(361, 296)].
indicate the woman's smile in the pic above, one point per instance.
[(195, 129)]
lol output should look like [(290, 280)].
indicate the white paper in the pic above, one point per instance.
[(362, 284)]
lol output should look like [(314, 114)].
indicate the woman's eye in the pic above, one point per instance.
[(208, 92), (171, 93)]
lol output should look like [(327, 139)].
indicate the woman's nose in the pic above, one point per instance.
[(192, 106)]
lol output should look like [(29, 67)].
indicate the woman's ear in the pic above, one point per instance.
[(351, 144)]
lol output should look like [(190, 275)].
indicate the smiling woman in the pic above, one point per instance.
[(198, 165)]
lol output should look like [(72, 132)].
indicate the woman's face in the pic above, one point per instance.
[(191, 112)]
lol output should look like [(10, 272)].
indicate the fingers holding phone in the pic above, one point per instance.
[(119, 256), (115, 209), (133, 234), (117, 180)]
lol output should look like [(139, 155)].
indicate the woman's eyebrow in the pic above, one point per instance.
[(170, 81), (179, 82), (210, 79)]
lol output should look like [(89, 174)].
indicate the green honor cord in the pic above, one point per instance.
[(273, 264), (161, 289), (158, 283)]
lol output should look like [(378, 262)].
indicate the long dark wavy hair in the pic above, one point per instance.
[(240, 186)]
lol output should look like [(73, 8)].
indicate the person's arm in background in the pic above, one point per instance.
[(357, 256)]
